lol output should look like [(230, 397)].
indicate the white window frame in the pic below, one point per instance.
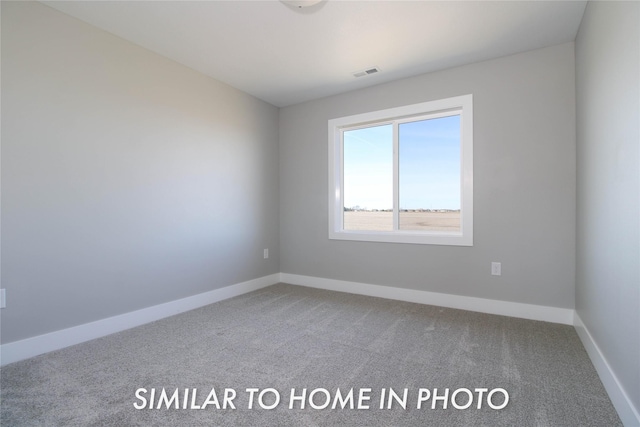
[(462, 105)]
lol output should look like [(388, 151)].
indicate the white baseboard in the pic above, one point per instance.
[(504, 308), (629, 414), (30, 347)]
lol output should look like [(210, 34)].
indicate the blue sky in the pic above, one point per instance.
[(429, 165)]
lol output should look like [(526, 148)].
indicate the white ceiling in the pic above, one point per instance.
[(285, 55)]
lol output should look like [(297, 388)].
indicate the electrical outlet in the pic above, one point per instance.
[(266, 253), (496, 269), (3, 298)]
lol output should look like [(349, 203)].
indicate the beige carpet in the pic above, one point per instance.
[(287, 337)]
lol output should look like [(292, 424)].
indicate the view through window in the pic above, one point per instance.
[(428, 176)]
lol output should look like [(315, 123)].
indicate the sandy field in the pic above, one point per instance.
[(383, 221)]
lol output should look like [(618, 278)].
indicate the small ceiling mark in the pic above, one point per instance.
[(366, 72)]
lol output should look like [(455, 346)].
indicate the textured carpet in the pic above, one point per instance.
[(285, 337)]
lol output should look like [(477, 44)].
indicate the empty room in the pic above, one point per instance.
[(320, 213)]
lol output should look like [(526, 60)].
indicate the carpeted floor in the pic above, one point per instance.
[(288, 337)]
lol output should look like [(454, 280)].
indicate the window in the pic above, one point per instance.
[(403, 175)]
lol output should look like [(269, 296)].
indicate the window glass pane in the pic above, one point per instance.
[(368, 178), (429, 174)]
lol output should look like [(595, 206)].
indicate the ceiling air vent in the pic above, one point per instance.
[(366, 72)]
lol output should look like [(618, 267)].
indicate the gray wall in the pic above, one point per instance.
[(128, 180), (608, 207), (524, 185)]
